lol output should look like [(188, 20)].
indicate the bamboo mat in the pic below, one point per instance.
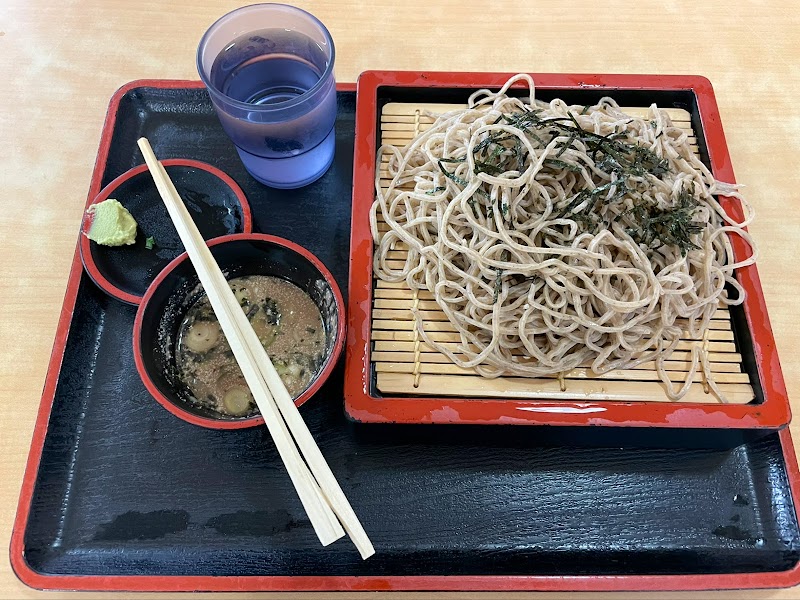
[(405, 365)]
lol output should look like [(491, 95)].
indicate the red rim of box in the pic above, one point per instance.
[(167, 583), (363, 406), (97, 275)]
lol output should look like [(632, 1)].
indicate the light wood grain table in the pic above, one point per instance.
[(61, 61)]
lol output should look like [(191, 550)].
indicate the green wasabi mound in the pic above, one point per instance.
[(112, 224)]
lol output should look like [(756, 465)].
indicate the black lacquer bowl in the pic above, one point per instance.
[(177, 288), (216, 202)]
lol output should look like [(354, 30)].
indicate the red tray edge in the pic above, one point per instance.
[(145, 583), (610, 583), (361, 406)]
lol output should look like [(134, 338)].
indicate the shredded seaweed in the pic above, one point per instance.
[(271, 312), (623, 158), (673, 226), (452, 176), (560, 164), (436, 190)]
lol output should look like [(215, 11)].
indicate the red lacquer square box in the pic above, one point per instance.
[(753, 335)]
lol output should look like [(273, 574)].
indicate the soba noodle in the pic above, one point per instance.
[(556, 236)]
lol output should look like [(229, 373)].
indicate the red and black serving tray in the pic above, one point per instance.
[(121, 495)]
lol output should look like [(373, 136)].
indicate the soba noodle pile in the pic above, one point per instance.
[(555, 236)]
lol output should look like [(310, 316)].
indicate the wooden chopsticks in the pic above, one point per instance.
[(319, 492)]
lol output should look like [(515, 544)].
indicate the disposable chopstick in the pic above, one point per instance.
[(311, 452), (308, 447), (226, 308)]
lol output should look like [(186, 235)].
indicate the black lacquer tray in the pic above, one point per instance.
[(120, 494)]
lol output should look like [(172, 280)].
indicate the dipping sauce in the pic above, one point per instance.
[(288, 324)]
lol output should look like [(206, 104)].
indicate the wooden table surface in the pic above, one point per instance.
[(60, 62)]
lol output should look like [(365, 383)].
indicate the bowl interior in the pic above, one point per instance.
[(215, 207), (179, 289)]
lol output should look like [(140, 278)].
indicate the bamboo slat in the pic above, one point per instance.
[(436, 321), (621, 374), (550, 389), (409, 356), (392, 109), (681, 355), (405, 364), (449, 336)]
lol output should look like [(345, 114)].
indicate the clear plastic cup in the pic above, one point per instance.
[(269, 71)]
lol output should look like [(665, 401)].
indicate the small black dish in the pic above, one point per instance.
[(217, 205)]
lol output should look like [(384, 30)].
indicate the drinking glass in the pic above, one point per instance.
[(269, 71)]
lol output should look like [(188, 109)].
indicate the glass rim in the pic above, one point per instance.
[(278, 105)]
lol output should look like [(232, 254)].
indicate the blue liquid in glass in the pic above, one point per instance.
[(293, 144)]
